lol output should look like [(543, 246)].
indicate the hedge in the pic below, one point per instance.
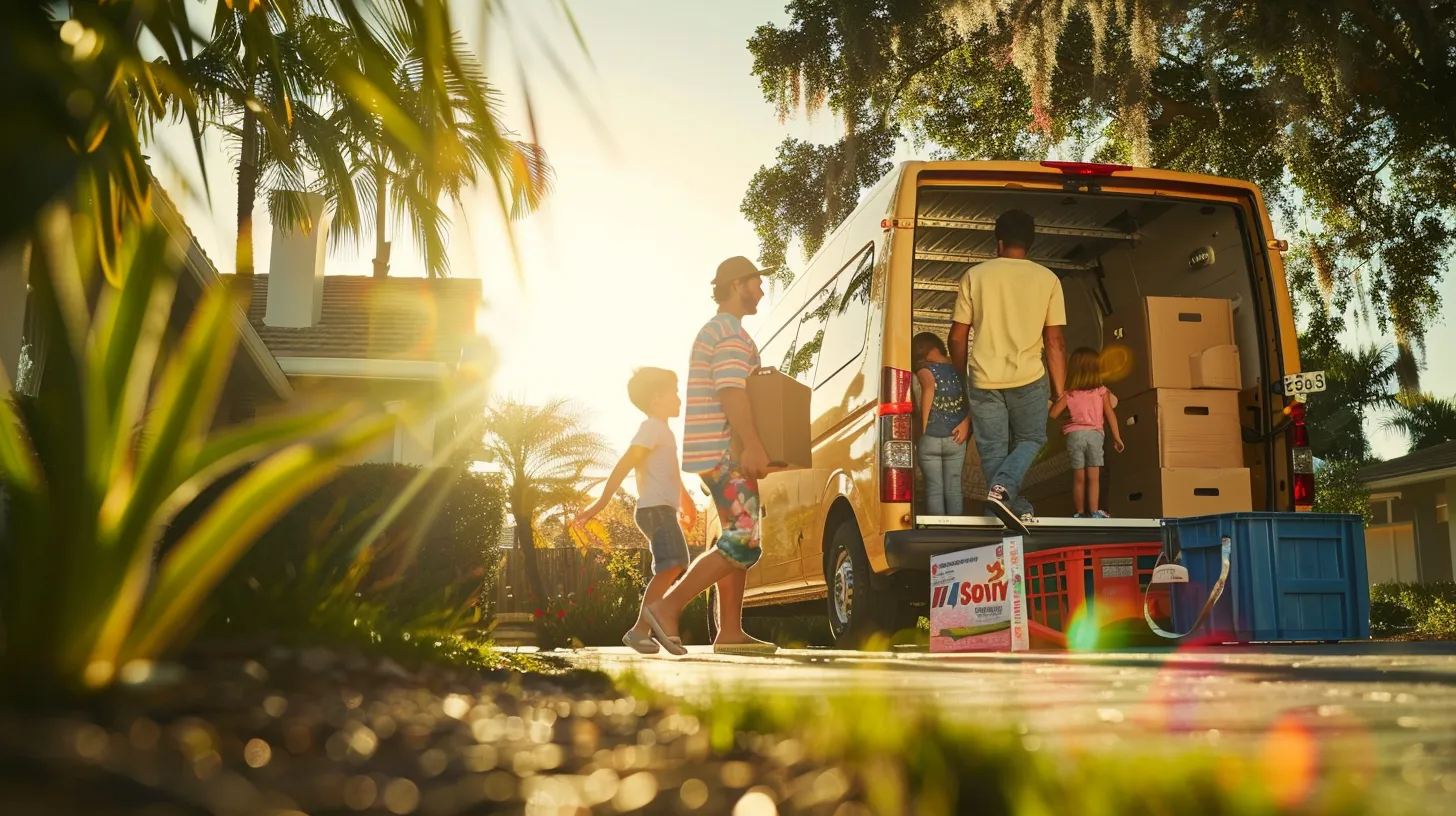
[(305, 574), (1423, 609)]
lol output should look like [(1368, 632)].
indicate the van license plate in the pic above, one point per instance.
[(1308, 382)]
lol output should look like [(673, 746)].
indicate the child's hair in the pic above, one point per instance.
[(1084, 370), (922, 344), (647, 384)]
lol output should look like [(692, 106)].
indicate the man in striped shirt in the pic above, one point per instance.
[(721, 445)]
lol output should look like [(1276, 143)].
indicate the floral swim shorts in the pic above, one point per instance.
[(736, 497)]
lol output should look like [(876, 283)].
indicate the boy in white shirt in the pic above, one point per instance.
[(660, 491)]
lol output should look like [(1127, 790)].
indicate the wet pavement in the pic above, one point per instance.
[(1383, 709)]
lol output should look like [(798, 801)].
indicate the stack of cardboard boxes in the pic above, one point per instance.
[(1175, 369)]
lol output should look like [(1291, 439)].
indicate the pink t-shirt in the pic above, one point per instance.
[(1085, 408)]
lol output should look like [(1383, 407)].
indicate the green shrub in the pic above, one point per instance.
[(601, 614), (430, 570), (1426, 609), (1339, 489)]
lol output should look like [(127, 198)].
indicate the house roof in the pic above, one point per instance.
[(420, 319), (1432, 461)]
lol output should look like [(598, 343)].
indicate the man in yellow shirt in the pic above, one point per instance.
[(1017, 309)]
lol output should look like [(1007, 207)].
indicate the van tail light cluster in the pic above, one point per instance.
[(1302, 464), (897, 454)]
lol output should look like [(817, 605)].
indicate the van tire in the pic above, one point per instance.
[(857, 611)]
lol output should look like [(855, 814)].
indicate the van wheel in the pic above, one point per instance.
[(856, 611)]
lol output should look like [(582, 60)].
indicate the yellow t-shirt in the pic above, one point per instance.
[(1008, 301)]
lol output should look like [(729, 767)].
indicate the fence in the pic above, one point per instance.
[(564, 571)]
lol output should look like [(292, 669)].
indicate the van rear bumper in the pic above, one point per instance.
[(913, 549)]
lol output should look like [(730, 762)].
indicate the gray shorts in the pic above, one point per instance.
[(669, 547), (1085, 449)]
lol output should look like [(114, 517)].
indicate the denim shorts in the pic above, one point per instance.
[(669, 547), (1084, 448)]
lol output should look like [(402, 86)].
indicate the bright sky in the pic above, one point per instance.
[(613, 273)]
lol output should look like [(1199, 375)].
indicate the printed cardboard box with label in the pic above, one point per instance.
[(1149, 345), (780, 406), (1180, 492), (1180, 428)]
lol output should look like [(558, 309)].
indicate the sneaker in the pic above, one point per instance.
[(1101, 514), (1028, 518), (1078, 515), (998, 499)]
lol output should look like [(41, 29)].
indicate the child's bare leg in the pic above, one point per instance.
[(1094, 487), (730, 609), (656, 589), (1079, 490), (709, 569)]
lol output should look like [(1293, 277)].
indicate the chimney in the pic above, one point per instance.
[(296, 269)]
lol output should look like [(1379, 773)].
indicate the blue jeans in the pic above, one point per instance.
[(941, 461), (1010, 429)]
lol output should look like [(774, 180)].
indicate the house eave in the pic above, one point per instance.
[(1411, 478), (363, 368)]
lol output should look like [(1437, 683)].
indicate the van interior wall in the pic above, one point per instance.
[(1157, 264)]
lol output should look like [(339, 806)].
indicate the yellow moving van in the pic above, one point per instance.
[(848, 533)]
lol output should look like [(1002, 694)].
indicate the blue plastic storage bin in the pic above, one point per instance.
[(1292, 576)]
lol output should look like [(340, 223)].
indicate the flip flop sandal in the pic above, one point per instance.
[(671, 644), (642, 644), (745, 649)]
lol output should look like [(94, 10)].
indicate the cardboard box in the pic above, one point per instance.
[(780, 406), (1178, 428), (1217, 367), (978, 599), (1180, 492), (1148, 345)]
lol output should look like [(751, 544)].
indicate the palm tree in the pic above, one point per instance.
[(1358, 381), (265, 80), (391, 180), (545, 452), (1424, 420)]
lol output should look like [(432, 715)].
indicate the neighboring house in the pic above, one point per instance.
[(315, 342), (392, 343), (1410, 537)]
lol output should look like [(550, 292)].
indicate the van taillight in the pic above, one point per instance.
[(897, 455), (1302, 458)]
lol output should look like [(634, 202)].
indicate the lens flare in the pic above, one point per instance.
[(1290, 761), (1083, 629)]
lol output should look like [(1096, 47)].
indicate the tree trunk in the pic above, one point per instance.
[(381, 223), (526, 543), (247, 197)]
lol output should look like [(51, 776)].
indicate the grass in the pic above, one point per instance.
[(899, 757)]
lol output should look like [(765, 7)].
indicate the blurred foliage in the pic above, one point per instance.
[(898, 757), (118, 439), (432, 569), (1425, 609), (1339, 489), (1424, 420)]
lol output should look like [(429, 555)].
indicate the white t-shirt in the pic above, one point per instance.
[(658, 483)]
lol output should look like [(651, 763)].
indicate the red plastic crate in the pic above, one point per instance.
[(1060, 582)]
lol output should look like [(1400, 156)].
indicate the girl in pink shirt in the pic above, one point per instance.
[(1089, 405)]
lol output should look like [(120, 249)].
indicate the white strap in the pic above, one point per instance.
[(1226, 545)]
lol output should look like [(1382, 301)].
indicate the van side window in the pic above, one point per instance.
[(849, 310), (805, 351), (777, 351)]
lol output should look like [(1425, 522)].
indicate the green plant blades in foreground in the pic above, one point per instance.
[(116, 442)]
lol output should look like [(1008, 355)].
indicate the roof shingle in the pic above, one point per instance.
[(1434, 458), (426, 319)]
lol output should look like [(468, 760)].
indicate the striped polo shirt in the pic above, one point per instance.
[(723, 357)]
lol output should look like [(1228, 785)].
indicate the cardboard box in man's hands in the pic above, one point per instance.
[(780, 406)]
